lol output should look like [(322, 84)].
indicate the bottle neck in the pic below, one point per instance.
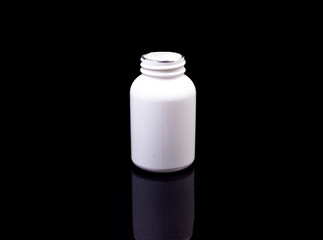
[(162, 64)]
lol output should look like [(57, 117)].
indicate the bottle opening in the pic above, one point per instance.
[(162, 64), (162, 57)]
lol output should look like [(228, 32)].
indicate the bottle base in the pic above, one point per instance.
[(162, 170)]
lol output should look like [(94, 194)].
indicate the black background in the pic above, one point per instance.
[(90, 59)]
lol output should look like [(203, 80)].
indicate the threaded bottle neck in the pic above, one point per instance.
[(162, 64)]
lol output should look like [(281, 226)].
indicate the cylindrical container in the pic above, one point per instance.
[(162, 112)]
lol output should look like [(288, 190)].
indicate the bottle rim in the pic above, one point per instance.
[(162, 57), (163, 61)]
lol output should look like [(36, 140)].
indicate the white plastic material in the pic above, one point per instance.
[(163, 110)]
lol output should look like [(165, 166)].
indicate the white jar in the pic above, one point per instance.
[(162, 111)]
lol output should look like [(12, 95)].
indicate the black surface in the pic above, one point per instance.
[(83, 126)]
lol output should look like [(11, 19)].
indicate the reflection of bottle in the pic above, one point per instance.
[(162, 109), (163, 205)]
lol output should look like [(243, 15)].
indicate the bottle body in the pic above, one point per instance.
[(162, 113)]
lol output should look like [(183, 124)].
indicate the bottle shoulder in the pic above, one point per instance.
[(162, 89)]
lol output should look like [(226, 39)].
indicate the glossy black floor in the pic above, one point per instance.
[(190, 204), (215, 198)]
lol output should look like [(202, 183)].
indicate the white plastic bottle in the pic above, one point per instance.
[(162, 112)]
